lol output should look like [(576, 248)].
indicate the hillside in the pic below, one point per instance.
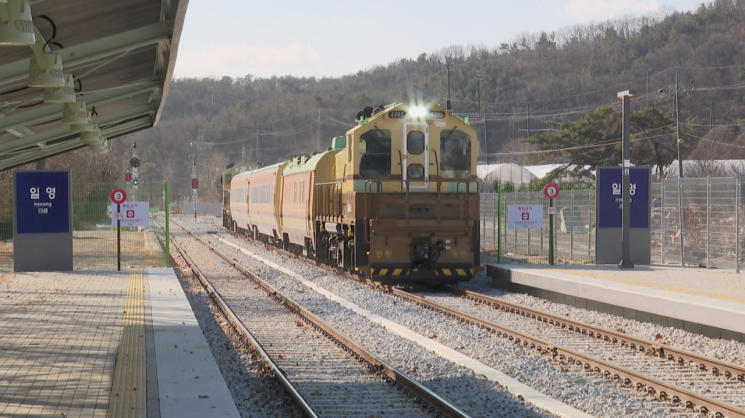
[(528, 87)]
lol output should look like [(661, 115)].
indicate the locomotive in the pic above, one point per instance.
[(395, 199)]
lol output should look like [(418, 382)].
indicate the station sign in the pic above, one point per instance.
[(525, 216), (42, 202), (610, 197), (131, 214)]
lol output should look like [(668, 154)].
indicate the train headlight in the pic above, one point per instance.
[(417, 111)]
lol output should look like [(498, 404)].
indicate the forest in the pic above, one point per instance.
[(533, 99)]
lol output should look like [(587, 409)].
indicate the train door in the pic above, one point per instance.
[(416, 155)]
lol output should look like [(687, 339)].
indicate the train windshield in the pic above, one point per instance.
[(455, 147), (375, 147)]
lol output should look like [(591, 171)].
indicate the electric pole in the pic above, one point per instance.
[(194, 185), (447, 63), (135, 163), (318, 134), (479, 77), (648, 70), (677, 126)]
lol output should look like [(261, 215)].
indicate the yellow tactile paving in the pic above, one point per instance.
[(128, 394)]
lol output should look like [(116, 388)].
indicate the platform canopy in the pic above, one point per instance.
[(122, 53)]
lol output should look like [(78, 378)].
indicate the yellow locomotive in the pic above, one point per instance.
[(395, 199)]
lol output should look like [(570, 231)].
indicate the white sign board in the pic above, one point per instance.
[(131, 214), (525, 216)]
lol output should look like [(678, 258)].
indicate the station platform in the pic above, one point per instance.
[(102, 343), (703, 301)]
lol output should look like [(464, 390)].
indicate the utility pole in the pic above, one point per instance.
[(318, 134), (135, 163), (193, 185), (243, 153), (677, 125), (256, 152), (626, 206), (479, 77), (527, 122), (648, 70), (447, 64)]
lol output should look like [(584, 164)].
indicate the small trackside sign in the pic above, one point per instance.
[(525, 216), (131, 214)]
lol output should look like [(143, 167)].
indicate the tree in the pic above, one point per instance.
[(596, 141)]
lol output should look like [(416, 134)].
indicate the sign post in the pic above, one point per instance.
[(118, 196), (551, 191)]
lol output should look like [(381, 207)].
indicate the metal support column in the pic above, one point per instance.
[(499, 224), (168, 224), (737, 222), (571, 234), (483, 222), (680, 223), (708, 221), (662, 225), (495, 219)]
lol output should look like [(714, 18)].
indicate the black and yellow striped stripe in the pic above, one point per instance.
[(405, 272)]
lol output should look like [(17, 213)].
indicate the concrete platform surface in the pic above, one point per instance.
[(60, 334), (189, 380), (705, 301)]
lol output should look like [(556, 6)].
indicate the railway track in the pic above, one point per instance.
[(699, 384), (686, 383), (324, 372)]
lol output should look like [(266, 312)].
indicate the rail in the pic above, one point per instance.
[(587, 362), (384, 368)]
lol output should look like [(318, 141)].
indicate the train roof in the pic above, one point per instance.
[(307, 162), (405, 107)]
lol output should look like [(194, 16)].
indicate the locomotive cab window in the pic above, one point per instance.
[(415, 142), (455, 147), (375, 147)]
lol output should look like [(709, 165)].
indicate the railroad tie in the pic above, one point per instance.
[(128, 395)]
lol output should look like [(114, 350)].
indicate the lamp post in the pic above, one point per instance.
[(479, 77), (626, 234)]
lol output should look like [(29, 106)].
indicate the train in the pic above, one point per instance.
[(395, 199)]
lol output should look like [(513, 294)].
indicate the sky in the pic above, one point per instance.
[(335, 38)]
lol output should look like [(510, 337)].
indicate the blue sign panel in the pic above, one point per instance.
[(610, 193), (42, 202)]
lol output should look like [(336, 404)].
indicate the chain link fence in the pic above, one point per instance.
[(710, 234), (94, 239), (574, 227)]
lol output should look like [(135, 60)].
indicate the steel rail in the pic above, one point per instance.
[(704, 363), (590, 364), (297, 399), (390, 372)]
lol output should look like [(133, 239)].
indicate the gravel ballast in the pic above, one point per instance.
[(473, 394)]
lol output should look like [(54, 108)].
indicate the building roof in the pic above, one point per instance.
[(123, 53)]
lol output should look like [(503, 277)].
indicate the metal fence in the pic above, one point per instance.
[(94, 239), (709, 236), (574, 227)]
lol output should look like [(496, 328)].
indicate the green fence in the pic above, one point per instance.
[(574, 227), (94, 239)]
